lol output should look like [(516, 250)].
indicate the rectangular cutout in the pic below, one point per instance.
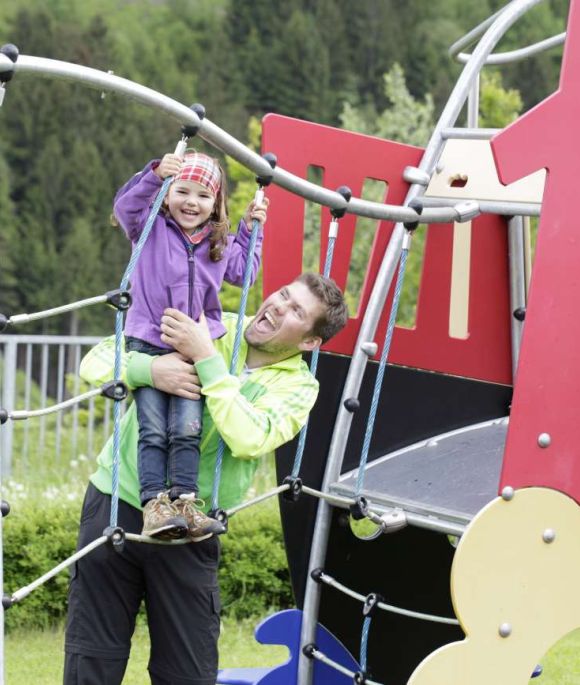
[(407, 314), (312, 222), (365, 231), (460, 274)]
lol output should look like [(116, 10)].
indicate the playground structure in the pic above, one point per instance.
[(439, 454)]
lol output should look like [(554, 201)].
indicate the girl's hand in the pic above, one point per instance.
[(170, 165), (258, 212)]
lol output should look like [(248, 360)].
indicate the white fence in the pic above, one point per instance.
[(37, 371)]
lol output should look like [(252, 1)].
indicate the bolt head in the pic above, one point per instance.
[(544, 440), (508, 493), (549, 535), (505, 630)]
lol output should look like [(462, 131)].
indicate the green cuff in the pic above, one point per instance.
[(211, 369), (139, 370)]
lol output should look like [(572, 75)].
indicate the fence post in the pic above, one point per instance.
[(8, 402)]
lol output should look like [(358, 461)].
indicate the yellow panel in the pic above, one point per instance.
[(504, 573), (471, 162)]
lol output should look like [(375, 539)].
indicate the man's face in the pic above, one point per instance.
[(283, 323)]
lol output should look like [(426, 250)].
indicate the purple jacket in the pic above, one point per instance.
[(171, 272)]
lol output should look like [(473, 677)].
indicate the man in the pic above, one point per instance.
[(255, 412)]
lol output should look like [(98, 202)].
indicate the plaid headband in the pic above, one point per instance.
[(201, 169)]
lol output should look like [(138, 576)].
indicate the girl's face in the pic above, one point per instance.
[(190, 204)]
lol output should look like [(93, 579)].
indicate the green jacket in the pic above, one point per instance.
[(254, 418)]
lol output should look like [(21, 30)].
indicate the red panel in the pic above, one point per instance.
[(547, 392), (349, 158)]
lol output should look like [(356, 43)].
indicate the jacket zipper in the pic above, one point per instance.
[(191, 274)]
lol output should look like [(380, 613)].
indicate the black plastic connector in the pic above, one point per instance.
[(4, 416), (417, 205), (351, 404), (4, 508), (316, 574), (190, 130), (119, 299), (309, 649), (220, 515), (520, 314), (360, 678), (115, 390), (293, 494), (360, 509), (346, 192), (7, 601), (115, 537), (264, 181), (372, 603), (4, 320), (12, 52)]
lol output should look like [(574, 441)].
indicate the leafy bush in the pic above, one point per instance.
[(41, 533)]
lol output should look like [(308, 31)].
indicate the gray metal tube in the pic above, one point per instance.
[(376, 303), (494, 207), (517, 283), (224, 141), (521, 53), (8, 400)]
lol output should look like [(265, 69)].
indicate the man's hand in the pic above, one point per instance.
[(191, 339), (175, 376)]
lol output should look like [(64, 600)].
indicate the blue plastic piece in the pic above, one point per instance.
[(537, 671), (283, 628)]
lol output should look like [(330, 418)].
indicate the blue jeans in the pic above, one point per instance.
[(169, 437)]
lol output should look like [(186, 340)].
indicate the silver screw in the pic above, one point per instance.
[(549, 535), (507, 493), (544, 440), (505, 630)]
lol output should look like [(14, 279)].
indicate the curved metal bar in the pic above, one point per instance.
[(501, 23), (521, 53), (148, 540), (214, 135), (321, 656)]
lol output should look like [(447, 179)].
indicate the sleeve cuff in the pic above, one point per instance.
[(139, 370), (211, 369)]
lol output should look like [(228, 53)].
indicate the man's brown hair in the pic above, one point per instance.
[(335, 314)]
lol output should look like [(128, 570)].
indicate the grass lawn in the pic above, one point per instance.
[(37, 657)]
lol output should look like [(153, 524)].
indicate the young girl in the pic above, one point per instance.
[(187, 255)]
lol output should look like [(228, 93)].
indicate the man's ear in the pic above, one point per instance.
[(310, 344)]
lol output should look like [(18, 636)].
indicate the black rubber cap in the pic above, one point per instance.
[(346, 192), (7, 601), (520, 313), (417, 205), (295, 490), (351, 404), (4, 508), (3, 322), (309, 649), (272, 160), (189, 130), (3, 416), (11, 51), (316, 574)]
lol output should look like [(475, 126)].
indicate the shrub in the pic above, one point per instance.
[(41, 532)]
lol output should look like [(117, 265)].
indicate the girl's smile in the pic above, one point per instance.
[(190, 204)]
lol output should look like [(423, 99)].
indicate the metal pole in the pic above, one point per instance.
[(376, 303), (8, 402), (517, 283)]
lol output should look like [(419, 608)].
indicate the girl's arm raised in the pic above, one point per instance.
[(133, 200), (238, 247)]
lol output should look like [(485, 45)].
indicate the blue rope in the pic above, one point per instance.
[(313, 369), (364, 643), (119, 345), (236, 352), (381, 372)]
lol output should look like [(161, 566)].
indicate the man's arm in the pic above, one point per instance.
[(254, 428), (169, 373)]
